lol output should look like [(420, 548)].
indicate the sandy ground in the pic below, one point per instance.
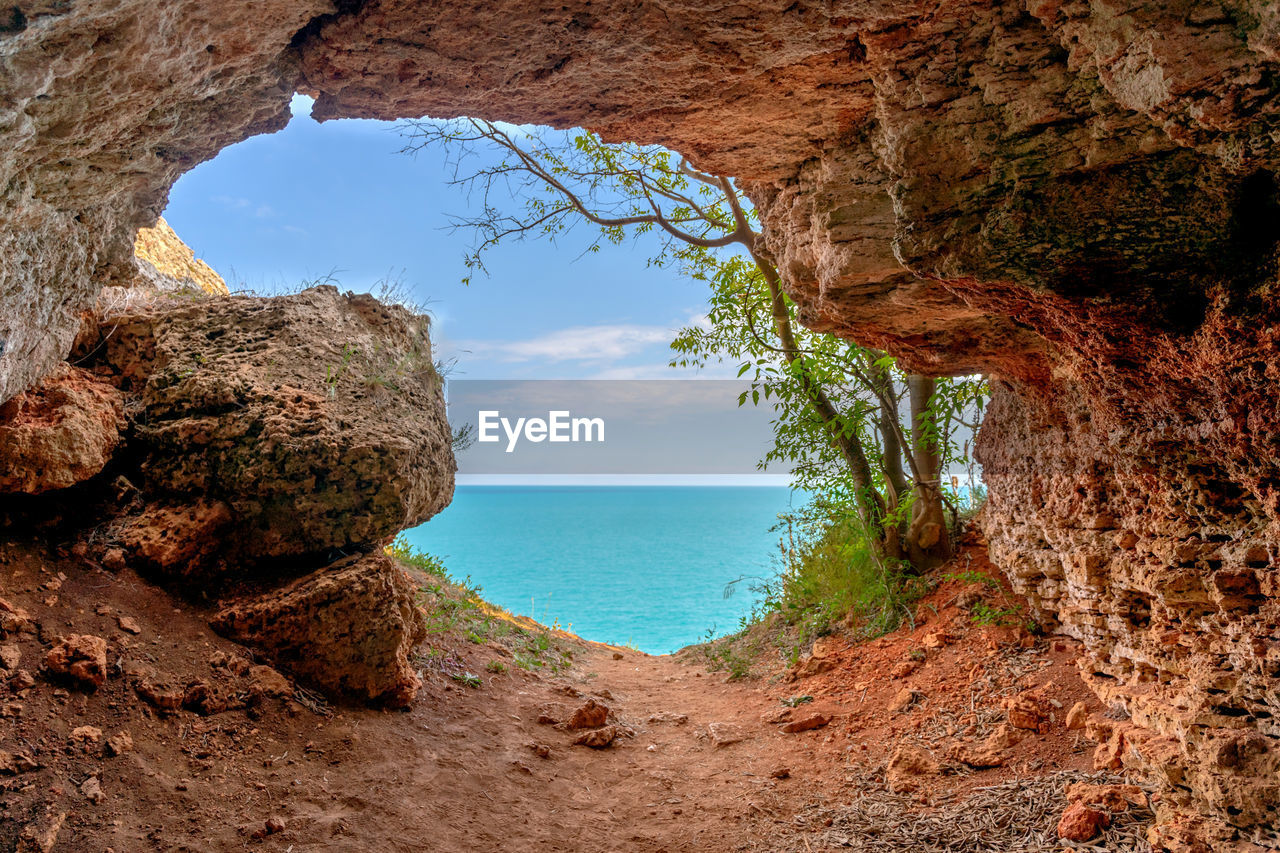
[(471, 768)]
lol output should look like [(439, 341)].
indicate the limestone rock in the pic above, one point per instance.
[(903, 700), (805, 724), (993, 751), (178, 540), (1081, 823), (163, 693), (1110, 798), (907, 765), (1028, 710), (81, 658), (41, 835), (13, 619), (1077, 716), (316, 418), (348, 628), (167, 263), (118, 744), (58, 433), (590, 715), (597, 738), (725, 734)]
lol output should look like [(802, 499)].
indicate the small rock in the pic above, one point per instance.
[(13, 620), (937, 639), (113, 559), (813, 721), (39, 836), (1110, 755), (545, 719), (992, 752), (92, 790), (203, 698), (269, 682), (11, 709), (669, 718), (597, 738), (233, 664), (724, 734), (13, 763), (1111, 798), (129, 624), (118, 744), (617, 655), (780, 773), (274, 824), (1077, 716), (81, 658), (902, 669), (812, 666), (1028, 710), (1081, 823), (591, 715), (777, 716), (903, 700), (161, 693), (10, 657), (86, 734), (541, 750), (22, 680), (908, 763)]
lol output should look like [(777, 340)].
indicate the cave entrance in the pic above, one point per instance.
[(655, 562)]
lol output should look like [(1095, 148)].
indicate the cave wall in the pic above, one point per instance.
[(1077, 197)]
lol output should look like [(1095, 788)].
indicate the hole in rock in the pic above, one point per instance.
[(630, 559)]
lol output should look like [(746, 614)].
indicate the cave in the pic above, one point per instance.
[(1078, 200)]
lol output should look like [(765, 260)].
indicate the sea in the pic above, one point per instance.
[(652, 567)]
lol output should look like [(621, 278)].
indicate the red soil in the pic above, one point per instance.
[(463, 770)]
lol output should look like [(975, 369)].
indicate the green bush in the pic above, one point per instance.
[(830, 575)]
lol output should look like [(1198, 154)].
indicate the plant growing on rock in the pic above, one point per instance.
[(854, 428)]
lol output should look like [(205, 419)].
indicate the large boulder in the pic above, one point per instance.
[(59, 433), (316, 419), (348, 628)]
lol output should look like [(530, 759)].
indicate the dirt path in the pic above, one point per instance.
[(472, 768)]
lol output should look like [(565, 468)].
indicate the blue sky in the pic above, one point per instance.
[(338, 197)]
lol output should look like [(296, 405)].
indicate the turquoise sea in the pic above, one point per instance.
[(640, 565)]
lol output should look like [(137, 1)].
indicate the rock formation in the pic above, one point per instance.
[(167, 263), (253, 443), (1079, 198)]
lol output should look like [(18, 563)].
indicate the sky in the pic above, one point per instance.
[(340, 199)]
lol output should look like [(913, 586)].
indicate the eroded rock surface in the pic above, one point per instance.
[(1079, 198), (278, 427), (59, 433), (349, 627)]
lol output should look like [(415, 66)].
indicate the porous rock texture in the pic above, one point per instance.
[(1076, 197), (58, 433), (316, 418), (167, 263), (335, 628)]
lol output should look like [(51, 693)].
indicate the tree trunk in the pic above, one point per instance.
[(884, 538), (928, 541)]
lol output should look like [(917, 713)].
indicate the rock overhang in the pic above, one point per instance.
[(1075, 197)]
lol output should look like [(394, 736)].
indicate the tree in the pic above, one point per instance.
[(838, 418)]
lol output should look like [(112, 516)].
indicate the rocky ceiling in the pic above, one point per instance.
[(1076, 197)]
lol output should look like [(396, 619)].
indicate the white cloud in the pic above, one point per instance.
[(577, 343)]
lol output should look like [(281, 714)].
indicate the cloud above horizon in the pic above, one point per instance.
[(596, 344)]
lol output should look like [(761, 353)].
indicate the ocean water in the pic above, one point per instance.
[(639, 565)]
